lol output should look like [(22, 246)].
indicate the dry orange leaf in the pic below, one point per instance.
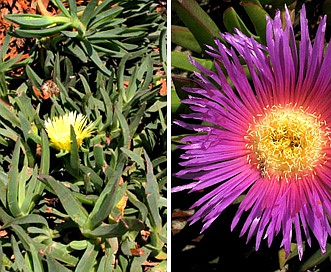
[(163, 90)]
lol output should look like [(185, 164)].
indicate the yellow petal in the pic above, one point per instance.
[(58, 129)]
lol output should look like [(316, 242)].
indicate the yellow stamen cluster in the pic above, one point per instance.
[(287, 142)]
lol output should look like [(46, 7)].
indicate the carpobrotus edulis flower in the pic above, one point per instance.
[(267, 137), (58, 130)]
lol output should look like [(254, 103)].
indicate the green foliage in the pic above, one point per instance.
[(7, 65), (93, 207), (95, 33)]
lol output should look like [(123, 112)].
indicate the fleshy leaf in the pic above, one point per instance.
[(72, 206), (197, 21)]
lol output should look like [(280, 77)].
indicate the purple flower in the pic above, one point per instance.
[(266, 136)]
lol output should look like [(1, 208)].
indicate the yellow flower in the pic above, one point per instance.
[(58, 130)]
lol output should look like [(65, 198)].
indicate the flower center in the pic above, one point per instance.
[(287, 142)]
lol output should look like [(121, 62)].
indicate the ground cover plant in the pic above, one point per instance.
[(83, 136), (259, 73)]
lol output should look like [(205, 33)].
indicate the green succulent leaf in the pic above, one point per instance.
[(27, 219), (39, 33), (59, 4), (72, 206), (180, 60), (88, 259), (34, 21), (30, 246), (258, 17), (183, 37), (106, 202), (116, 229), (13, 182), (316, 258), (19, 258), (197, 21), (53, 265), (232, 20), (93, 54)]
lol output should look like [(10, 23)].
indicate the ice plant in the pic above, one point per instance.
[(58, 130), (265, 135)]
